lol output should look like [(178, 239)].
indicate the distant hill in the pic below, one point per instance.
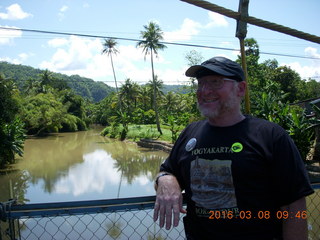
[(85, 87), (175, 88)]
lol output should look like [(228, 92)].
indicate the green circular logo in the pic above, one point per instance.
[(237, 147)]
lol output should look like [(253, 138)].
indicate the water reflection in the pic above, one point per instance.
[(80, 166)]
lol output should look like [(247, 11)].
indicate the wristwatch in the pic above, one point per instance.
[(161, 175)]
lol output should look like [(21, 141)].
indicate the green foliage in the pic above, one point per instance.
[(174, 128), (43, 113), (300, 130), (105, 131), (12, 134), (31, 79), (12, 139), (271, 106), (148, 131), (148, 117), (8, 102), (288, 80), (115, 130), (70, 123)]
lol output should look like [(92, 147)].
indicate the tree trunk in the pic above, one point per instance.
[(115, 81), (155, 96)]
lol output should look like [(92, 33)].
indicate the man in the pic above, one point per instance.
[(243, 177)]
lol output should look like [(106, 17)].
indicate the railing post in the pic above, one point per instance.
[(5, 214)]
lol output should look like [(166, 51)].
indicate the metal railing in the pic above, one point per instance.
[(129, 218)]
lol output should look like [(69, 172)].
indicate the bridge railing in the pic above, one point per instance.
[(128, 218)]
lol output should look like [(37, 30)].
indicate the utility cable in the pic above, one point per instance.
[(138, 40)]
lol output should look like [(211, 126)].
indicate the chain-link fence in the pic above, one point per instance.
[(130, 218)]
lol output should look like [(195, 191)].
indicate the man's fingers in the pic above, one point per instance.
[(162, 216), (176, 216), (156, 211), (168, 217)]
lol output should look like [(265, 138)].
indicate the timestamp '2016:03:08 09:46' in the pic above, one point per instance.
[(257, 215)]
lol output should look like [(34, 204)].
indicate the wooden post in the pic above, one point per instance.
[(241, 33)]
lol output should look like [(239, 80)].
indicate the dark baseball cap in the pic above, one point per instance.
[(217, 66)]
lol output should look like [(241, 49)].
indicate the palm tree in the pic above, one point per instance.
[(156, 85), (151, 44), (109, 47), (129, 93), (145, 97)]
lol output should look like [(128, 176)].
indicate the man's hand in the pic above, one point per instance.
[(168, 201)]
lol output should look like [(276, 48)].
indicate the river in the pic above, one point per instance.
[(80, 166)]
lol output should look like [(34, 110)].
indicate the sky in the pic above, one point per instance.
[(180, 22)]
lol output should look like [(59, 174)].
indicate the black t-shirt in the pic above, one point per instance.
[(236, 178)]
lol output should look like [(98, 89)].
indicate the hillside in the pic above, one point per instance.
[(85, 87)]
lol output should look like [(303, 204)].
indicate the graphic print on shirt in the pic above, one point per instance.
[(212, 184)]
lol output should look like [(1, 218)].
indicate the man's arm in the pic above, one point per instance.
[(168, 201), (295, 227)]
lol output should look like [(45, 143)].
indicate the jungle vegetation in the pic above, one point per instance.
[(37, 102)]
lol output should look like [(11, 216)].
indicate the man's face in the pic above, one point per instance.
[(218, 96)]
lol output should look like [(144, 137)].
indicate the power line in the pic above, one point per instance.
[(138, 40)]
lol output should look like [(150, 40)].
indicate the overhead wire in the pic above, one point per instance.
[(138, 40)]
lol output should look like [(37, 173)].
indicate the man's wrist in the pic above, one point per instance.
[(161, 175)]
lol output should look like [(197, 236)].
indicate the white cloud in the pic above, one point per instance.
[(57, 42), (311, 70), (312, 52), (62, 11), (83, 56), (22, 57), (190, 28), (72, 54), (14, 12), (216, 20), (64, 8), (11, 60), (7, 36), (75, 55)]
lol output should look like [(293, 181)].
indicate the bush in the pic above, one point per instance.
[(12, 137), (270, 106), (105, 131)]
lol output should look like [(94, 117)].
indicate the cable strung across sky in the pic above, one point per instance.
[(137, 40)]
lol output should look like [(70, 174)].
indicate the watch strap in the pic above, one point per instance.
[(161, 175)]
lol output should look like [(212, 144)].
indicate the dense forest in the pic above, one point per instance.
[(25, 76), (38, 102)]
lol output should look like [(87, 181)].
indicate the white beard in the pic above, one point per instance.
[(224, 107)]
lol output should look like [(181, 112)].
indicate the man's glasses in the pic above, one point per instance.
[(213, 84)]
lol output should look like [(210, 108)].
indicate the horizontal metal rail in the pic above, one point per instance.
[(315, 185), (80, 207), (11, 210)]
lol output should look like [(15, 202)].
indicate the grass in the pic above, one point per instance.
[(137, 132)]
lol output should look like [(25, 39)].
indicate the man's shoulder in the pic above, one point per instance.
[(197, 124), (263, 124)]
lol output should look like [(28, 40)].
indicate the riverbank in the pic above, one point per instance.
[(155, 144), (147, 131)]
